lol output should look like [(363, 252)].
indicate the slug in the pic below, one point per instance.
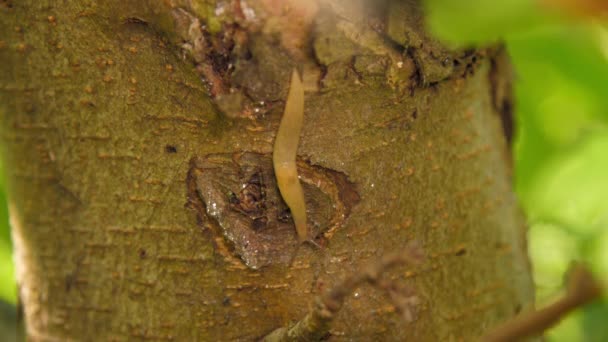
[(284, 155)]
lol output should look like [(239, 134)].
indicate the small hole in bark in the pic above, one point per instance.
[(142, 253), (170, 149), (461, 251), (256, 179), (133, 20), (517, 308), (259, 223), (326, 337), (247, 55), (232, 199), (415, 114), (284, 215), (226, 301)]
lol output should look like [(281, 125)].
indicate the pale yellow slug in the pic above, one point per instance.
[(284, 155)]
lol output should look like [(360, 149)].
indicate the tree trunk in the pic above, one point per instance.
[(143, 201)]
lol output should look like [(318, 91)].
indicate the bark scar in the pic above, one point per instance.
[(237, 198)]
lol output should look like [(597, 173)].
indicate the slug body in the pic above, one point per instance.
[(284, 155)]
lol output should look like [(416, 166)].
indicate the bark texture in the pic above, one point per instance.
[(137, 138)]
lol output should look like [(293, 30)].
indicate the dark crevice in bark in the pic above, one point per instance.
[(502, 91)]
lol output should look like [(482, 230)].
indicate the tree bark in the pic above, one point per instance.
[(138, 137)]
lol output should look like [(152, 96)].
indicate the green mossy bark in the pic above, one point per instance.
[(101, 115)]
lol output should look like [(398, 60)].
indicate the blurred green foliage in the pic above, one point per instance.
[(8, 290), (561, 152), (561, 149)]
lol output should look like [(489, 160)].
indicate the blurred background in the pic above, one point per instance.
[(560, 52)]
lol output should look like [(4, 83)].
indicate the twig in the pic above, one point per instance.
[(316, 324), (582, 289)]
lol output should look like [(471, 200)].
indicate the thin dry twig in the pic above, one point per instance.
[(582, 289), (316, 324)]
